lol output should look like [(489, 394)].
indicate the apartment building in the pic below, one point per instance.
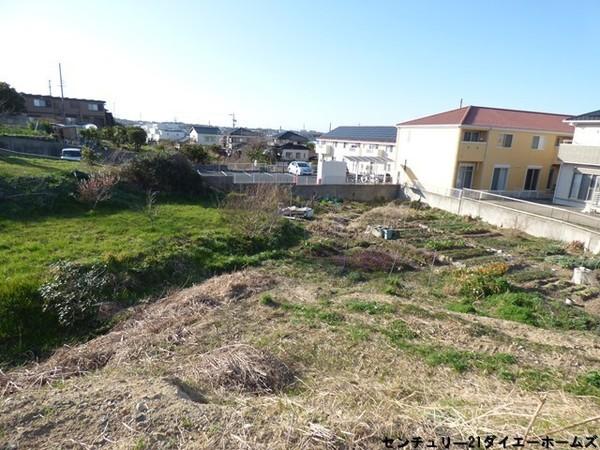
[(368, 150), (578, 183), (483, 148), (70, 111)]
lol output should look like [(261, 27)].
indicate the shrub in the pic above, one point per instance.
[(164, 171), (24, 325), (255, 212), (482, 281), (88, 156), (196, 153), (75, 291), (97, 188)]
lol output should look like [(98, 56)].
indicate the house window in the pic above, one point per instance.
[(92, 106), (537, 142), (465, 176), (531, 179), (499, 178), (582, 186), (390, 148), (472, 136), (505, 140), (40, 103)]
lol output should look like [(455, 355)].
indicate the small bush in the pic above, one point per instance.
[(97, 188), (255, 213), (75, 291), (89, 156), (481, 281)]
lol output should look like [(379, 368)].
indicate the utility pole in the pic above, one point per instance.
[(62, 96), (50, 87), (233, 121), (461, 100)]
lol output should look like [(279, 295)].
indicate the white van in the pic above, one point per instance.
[(71, 154)]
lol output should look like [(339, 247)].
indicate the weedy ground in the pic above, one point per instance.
[(453, 329)]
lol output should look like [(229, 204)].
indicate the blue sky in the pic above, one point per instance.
[(305, 63)]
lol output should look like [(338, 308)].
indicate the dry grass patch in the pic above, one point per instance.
[(241, 368)]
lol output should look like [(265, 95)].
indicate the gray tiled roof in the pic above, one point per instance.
[(368, 134), (594, 115), (205, 129)]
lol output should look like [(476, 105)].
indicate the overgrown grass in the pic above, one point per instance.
[(16, 130)]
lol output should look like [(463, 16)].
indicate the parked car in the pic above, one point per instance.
[(300, 168), (71, 154)]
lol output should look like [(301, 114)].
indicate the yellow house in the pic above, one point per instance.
[(482, 148)]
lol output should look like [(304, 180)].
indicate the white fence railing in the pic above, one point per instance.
[(540, 209)]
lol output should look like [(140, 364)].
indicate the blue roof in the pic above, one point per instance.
[(594, 115), (368, 134)]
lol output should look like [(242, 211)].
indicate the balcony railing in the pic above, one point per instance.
[(579, 154)]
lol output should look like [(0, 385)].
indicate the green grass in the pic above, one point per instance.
[(29, 166), (372, 308), (530, 309), (313, 314), (28, 247)]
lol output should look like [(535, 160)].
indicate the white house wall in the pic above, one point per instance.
[(430, 155), (587, 135)]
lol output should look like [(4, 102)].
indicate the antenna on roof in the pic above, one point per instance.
[(461, 103)]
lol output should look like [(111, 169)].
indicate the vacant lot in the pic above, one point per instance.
[(454, 329), (138, 244)]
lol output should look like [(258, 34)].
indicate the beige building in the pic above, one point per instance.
[(483, 148)]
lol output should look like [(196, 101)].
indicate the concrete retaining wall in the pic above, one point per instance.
[(31, 145), (506, 217), (356, 192)]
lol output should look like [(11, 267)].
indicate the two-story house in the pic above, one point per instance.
[(578, 183), (71, 111), (481, 148), (290, 146), (368, 150), (205, 135), (239, 137)]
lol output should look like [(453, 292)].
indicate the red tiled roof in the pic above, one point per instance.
[(478, 116)]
